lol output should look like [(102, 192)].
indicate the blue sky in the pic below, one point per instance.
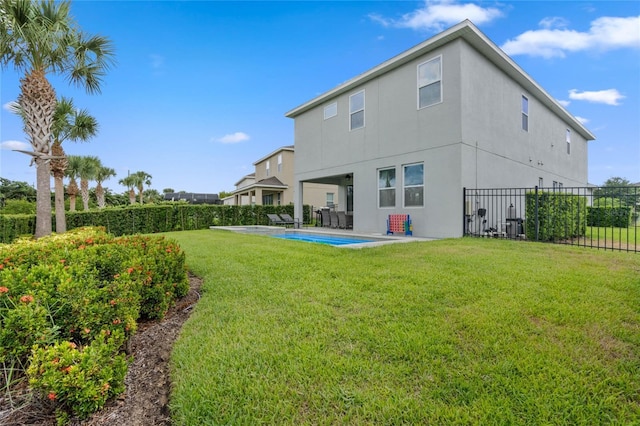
[(200, 88)]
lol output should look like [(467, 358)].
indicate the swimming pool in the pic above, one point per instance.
[(332, 240)]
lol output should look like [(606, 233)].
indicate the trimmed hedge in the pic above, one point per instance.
[(618, 217), (560, 216), (148, 219)]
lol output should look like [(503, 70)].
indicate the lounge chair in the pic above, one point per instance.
[(274, 219), (342, 220), (289, 220), (326, 218)]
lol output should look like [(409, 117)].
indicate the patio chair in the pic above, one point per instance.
[(289, 220), (326, 218), (274, 219), (342, 220), (334, 218)]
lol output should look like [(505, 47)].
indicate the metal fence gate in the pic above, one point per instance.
[(597, 217)]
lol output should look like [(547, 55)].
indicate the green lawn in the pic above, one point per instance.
[(466, 331)]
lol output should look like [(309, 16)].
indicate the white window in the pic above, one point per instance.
[(568, 138), (279, 163), (331, 110), (356, 110), (268, 167), (329, 199), (540, 182), (413, 180), (525, 113), (430, 82), (387, 187)]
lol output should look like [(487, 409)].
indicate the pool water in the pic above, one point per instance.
[(321, 239)]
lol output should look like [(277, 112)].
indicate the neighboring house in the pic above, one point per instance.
[(193, 198), (452, 112), (271, 183)]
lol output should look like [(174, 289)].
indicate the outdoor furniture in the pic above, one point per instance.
[(274, 219), (342, 220), (334, 218), (287, 218), (399, 223), (326, 218)]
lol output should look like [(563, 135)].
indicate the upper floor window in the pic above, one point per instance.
[(568, 138), (525, 113), (430, 82), (331, 110), (268, 167), (414, 185), (279, 163), (356, 110), (387, 187)]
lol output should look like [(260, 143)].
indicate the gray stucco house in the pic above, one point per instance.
[(408, 135)]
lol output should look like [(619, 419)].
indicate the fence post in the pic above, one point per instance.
[(464, 210), (537, 221)]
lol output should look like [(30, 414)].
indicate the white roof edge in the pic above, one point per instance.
[(470, 33), (282, 148)]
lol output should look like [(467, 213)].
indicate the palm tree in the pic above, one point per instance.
[(38, 38), (88, 167), (141, 179), (72, 124), (74, 163), (130, 183), (102, 174)]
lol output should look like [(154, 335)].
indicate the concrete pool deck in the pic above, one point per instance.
[(378, 239)]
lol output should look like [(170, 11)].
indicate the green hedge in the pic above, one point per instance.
[(619, 217), (151, 219), (559, 216)]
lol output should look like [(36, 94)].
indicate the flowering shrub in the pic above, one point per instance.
[(79, 380), (69, 303)]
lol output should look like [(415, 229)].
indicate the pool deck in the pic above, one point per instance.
[(380, 239)]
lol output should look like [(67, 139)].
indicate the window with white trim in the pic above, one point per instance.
[(430, 82), (387, 187), (413, 183), (525, 113), (329, 199), (331, 110), (568, 139), (279, 163), (268, 166), (356, 110)]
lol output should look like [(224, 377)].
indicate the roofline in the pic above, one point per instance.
[(249, 176), (472, 35), (257, 185), (283, 148)]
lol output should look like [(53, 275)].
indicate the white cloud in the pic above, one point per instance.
[(582, 119), (553, 40), (553, 22), (564, 103), (12, 145), (438, 14), (608, 97), (233, 138)]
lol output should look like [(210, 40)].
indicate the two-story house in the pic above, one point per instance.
[(271, 183), (408, 135)]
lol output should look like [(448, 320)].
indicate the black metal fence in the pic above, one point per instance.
[(597, 217)]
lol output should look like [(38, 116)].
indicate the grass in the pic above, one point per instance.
[(462, 331)]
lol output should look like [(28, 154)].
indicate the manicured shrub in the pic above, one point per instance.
[(78, 380), (69, 303)]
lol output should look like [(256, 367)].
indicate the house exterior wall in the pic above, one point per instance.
[(473, 138), (492, 134), (285, 175)]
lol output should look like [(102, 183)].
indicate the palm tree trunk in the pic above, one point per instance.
[(58, 166), (38, 101), (100, 195), (72, 190), (132, 196), (84, 192)]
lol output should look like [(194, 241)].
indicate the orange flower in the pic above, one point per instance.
[(26, 298), (3, 290), (52, 396), (129, 270)]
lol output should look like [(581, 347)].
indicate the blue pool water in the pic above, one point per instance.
[(322, 239)]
